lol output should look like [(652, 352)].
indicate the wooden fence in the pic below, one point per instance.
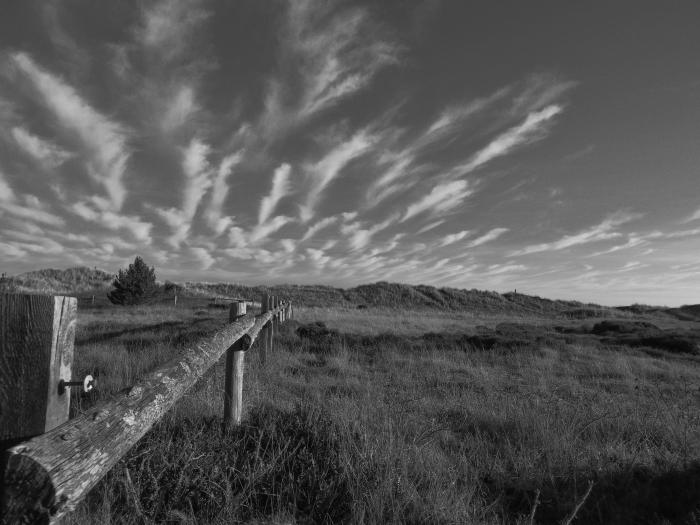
[(45, 477)]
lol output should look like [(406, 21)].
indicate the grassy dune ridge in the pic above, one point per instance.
[(415, 416), (87, 282)]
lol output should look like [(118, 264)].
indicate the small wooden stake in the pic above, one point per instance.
[(238, 309), (235, 363)]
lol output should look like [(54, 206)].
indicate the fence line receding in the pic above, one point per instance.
[(46, 476)]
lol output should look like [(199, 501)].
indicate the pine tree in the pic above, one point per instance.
[(134, 285)]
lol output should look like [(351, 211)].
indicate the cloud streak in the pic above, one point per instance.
[(442, 198), (280, 189), (214, 213), (600, 232), (532, 129), (48, 154), (323, 172), (338, 50), (489, 236), (105, 141), (198, 179)]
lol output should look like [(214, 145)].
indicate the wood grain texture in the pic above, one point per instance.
[(47, 476), (36, 351), (271, 327), (265, 346), (234, 369), (64, 323), (268, 329), (237, 309)]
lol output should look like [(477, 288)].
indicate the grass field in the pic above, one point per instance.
[(405, 417)]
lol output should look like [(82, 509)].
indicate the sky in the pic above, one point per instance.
[(547, 147)]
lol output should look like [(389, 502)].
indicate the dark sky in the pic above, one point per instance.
[(550, 147)]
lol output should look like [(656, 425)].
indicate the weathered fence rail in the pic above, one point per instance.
[(48, 475)]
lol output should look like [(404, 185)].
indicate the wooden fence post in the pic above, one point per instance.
[(264, 347), (270, 328), (235, 357), (273, 324), (37, 333), (277, 315)]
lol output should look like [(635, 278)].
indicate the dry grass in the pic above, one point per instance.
[(378, 424)]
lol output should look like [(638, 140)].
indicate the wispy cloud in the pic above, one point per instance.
[(489, 236), (39, 244), (262, 231), (198, 175), (453, 118), (431, 226), (359, 237), (198, 179), (320, 225), (632, 242), (48, 154), (693, 216), (441, 198), (533, 128), (139, 229), (203, 256), (453, 238), (328, 53), (72, 54), (27, 208), (340, 51), (167, 24), (214, 213), (679, 234), (180, 108), (540, 90), (280, 189), (400, 166), (601, 232), (10, 250), (6, 192), (323, 172), (105, 141)]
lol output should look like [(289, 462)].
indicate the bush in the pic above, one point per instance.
[(623, 327), (135, 285)]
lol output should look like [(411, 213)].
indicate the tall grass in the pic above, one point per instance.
[(366, 426)]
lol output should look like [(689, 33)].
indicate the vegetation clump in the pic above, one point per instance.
[(318, 336), (135, 285), (280, 463)]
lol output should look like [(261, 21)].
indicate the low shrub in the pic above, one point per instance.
[(622, 327)]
